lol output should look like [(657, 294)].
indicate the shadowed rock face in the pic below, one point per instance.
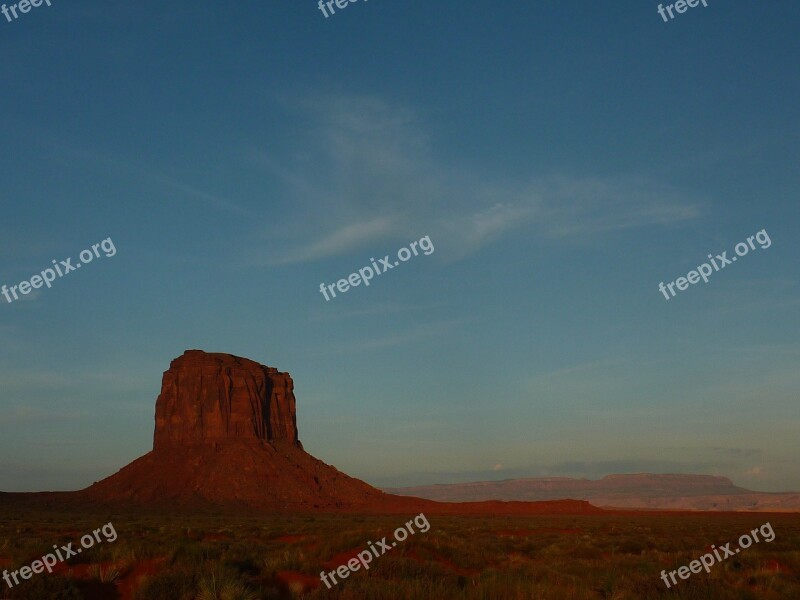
[(211, 399)]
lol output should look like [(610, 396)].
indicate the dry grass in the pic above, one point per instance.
[(608, 557)]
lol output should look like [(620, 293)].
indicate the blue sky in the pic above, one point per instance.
[(564, 159)]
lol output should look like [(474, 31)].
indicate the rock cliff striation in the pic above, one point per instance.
[(210, 399)]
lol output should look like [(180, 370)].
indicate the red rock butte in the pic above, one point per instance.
[(211, 399), (226, 435)]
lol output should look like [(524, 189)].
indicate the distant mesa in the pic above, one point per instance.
[(639, 490)]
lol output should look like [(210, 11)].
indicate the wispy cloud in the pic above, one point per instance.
[(346, 238), (469, 233), (577, 206), (406, 337), (367, 172), (141, 171), (734, 453), (22, 299), (371, 310)]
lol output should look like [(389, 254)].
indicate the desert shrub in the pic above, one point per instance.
[(585, 550), (245, 565), (194, 553), (631, 546), (175, 585), (223, 585), (396, 567), (108, 575), (291, 559)]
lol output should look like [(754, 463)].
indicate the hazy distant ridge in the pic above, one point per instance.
[(694, 492)]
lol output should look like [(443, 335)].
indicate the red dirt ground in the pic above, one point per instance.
[(288, 538), (529, 532), (297, 582), (341, 558)]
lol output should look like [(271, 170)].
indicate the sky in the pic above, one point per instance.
[(564, 158)]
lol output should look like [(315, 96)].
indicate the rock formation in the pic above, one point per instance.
[(226, 433), (209, 399), (226, 436)]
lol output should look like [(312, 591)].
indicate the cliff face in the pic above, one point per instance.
[(211, 399)]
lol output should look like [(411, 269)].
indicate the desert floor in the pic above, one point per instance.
[(619, 556)]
